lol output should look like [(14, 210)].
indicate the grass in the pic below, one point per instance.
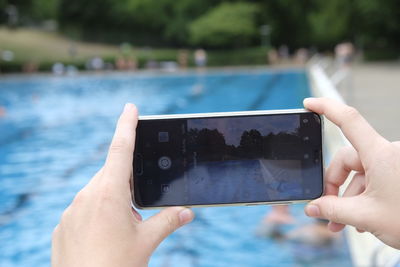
[(46, 48), (35, 45)]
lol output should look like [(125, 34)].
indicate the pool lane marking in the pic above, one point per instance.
[(257, 104)]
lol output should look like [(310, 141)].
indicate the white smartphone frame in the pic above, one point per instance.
[(234, 114)]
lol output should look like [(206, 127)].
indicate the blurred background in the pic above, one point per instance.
[(35, 34), (68, 67)]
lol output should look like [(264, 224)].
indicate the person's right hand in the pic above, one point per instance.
[(100, 228), (371, 201)]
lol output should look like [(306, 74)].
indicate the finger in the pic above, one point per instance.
[(158, 227), (396, 143), (336, 227), (344, 161), (118, 165), (137, 215), (342, 210), (96, 178), (356, 185), (357, 130)]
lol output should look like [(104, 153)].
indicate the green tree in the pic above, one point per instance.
[(86, 13), (30, 11), (372, 24), (226, 24), (44, 9), (251, 143), (288, 20), (210, 145), (166, 18), (2, 11), (330, 23), (378, 23), (183, 13)]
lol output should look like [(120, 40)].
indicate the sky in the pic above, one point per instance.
[(233, 127)]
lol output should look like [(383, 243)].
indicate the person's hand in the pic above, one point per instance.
[(100, 228), (371, 201)]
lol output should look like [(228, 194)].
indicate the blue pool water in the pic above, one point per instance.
[(55, 135)]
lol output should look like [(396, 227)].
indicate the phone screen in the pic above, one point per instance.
[(228, 160)]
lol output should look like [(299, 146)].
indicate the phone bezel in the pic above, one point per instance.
[(234, 114)]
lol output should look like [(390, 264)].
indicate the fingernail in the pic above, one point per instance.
[(312, 210), (185, 216), (137, 215), (308, 100), (128, 106)]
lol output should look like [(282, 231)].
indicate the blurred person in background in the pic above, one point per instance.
[(200, 58), (278, 224), (96, 63), (344, 54), (275, 221), (280, 214), (183, 58), (30, 67), (283, 52), (342, 77), (301, 56), (3, 112), (126, 63), (12, 16), (272, 56), (127, 59)]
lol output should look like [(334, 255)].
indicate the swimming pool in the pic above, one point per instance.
[(55, 136)]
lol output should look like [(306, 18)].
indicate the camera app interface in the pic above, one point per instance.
[(222, 160)]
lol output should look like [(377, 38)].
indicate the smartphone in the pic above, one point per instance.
[(228, 158)]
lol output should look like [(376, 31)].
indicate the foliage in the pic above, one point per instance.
[(226, 24), (379, 23), (32, 11), (184, 12), (327, 29), (371, 24), (372, 54), (2, 11), (44, 9), (288, 20), (143, 22), (241, 56)]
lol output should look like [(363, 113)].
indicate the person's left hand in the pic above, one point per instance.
[(100, 228)]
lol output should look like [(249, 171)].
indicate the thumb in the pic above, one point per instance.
[(344, 210), (158, 227)]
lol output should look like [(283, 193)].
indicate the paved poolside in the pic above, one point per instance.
[(376, 94)]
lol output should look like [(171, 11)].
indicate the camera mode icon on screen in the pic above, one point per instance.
[(164, 163), (165, 188), (163, 137)]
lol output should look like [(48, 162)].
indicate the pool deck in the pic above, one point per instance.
[(374, 89)]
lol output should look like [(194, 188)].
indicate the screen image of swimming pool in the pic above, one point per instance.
[(55, 136)]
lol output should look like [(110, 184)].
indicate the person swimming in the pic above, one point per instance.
[(280, 224), (3, 112)]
